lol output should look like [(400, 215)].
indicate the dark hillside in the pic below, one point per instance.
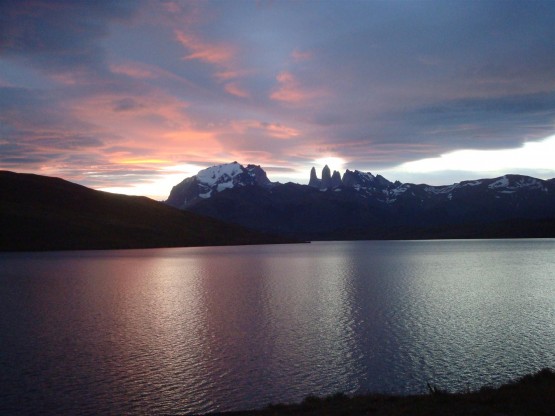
[(302, 212), (44, 213)]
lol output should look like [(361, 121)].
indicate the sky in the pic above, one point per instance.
[(134, 96)]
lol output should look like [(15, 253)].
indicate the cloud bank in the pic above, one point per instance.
[(118, 94)]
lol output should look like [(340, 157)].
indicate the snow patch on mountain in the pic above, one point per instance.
[(473, 183), (225, 185), (400, 190), (220, 174), (528, 183), (367, 176), (207, 182), (502, 182), (438, 190), (515, 183)]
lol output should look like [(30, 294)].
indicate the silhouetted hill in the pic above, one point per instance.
[(45, 213)]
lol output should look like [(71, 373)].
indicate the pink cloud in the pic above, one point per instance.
[(279, 131), (213, 53), (153, 127), (172, 7), (222, 56), (146, 72), (234, 88), (264, 129), (298, 55), (229, 74), (291, 91), (133, 70), (66, 78)]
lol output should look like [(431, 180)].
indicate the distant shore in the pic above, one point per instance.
[(530, 395)]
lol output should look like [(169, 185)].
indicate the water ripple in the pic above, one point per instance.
[(195, 330)]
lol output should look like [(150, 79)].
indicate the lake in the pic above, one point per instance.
[(189, 330)]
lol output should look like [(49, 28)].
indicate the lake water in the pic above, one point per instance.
[(191, 330)]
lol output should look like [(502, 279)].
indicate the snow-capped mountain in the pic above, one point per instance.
[(216, 179), (363, 205), (388, 192)]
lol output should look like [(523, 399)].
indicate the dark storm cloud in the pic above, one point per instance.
[(514, 118), (27, 112), (19, 161), (59, 35), (35, 131), (431, 41), (13, 155), (69, 142), (422, 72), (28, 149), (474, 123)]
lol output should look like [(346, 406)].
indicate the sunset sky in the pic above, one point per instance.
[(134, 96)]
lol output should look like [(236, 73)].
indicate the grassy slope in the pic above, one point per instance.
[(530, 395), (44, 213)]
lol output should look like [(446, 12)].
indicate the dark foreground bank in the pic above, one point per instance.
[(40, 213), (529, 395)]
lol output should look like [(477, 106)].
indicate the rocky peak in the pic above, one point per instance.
[(215, 179), (259, 175), (381, 181), (314, 181), (328, 180), (356, 178), (336, 179)]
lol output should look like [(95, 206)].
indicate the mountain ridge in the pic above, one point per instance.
[(364, 206)]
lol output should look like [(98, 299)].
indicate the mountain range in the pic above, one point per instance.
[(360, 205), (232, 204), (45, 213)]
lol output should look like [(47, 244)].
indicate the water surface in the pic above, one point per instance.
[(191, 330)]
